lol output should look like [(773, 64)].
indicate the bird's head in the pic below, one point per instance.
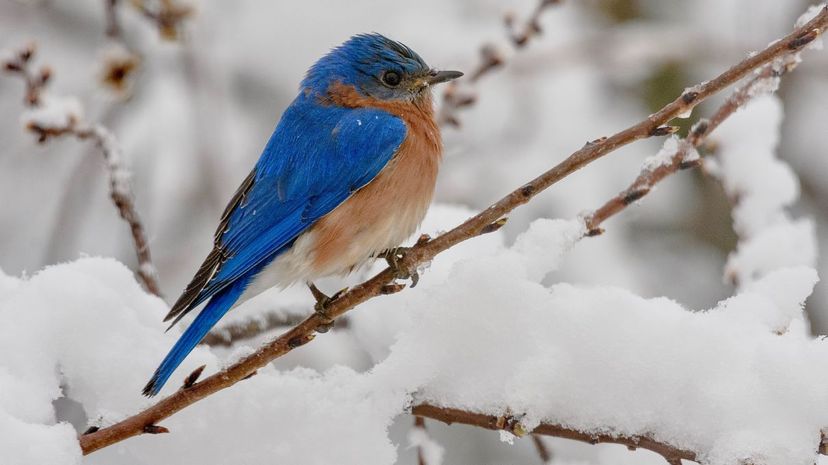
[(376, 67)]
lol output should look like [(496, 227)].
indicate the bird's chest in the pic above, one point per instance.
[(383, 213)]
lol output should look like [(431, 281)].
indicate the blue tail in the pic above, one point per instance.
[(209, 316)]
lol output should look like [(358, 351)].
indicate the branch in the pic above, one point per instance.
[(543, 451), (455, 99), (71, 124), (672, 454), (229, 334), (426, 250), (419, 423), (684, 156)]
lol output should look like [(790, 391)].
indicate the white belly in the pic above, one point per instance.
[(297, 263)]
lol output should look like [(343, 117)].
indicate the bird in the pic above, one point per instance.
[(347, 175)]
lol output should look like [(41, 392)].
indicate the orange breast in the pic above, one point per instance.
[(389, 209)]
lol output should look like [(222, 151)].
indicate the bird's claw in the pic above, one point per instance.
[(394, 257), (321, 306)]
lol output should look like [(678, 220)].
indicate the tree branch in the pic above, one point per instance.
[(419, 422), (512, 425), (229, 334), (543, 451), (426, 250), (119, 187), (685, 156)]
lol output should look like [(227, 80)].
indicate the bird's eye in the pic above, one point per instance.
[(391, 78)]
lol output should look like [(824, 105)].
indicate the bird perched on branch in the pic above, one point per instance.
[(348, 174)]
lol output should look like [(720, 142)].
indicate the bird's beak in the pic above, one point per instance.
[(436, 77)]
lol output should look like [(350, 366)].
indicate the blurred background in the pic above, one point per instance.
[(193, 104)]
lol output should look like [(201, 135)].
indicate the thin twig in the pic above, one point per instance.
[(424, 252), (35, 82), (119, 187), (543, 451), (684, 157), (531, 28), (460, 94), (419, 422), (113, 25), (512, 425), (229, 334)]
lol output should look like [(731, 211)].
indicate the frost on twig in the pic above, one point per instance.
[(460, 94), (49, 116)]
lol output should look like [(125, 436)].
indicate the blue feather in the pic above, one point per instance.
[(305, 172), (209, 316)]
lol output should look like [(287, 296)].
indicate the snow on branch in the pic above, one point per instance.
[(50, 116), (680, 153), (512, 425), (486, 221)]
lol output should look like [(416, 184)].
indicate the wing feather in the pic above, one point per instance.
[(317, 157)]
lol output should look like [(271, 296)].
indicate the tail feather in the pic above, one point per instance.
[(219, 304)]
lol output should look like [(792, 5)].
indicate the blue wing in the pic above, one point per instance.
[(316, 158)]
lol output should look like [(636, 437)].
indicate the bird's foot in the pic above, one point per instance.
[(394, 257), (321, 306)]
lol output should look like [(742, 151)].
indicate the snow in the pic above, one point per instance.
[(116, 334), (54, 112), (432, 451), (483, 334), (598, 358), (809, 14), (664, 156), (764, 188)]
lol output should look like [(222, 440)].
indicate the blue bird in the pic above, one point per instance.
[(348, 173)]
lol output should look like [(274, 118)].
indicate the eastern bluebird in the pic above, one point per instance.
[(348, 173)]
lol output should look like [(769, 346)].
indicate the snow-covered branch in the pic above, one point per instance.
[(50, 116), (425, 251), (512, 425), (680, 153)]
